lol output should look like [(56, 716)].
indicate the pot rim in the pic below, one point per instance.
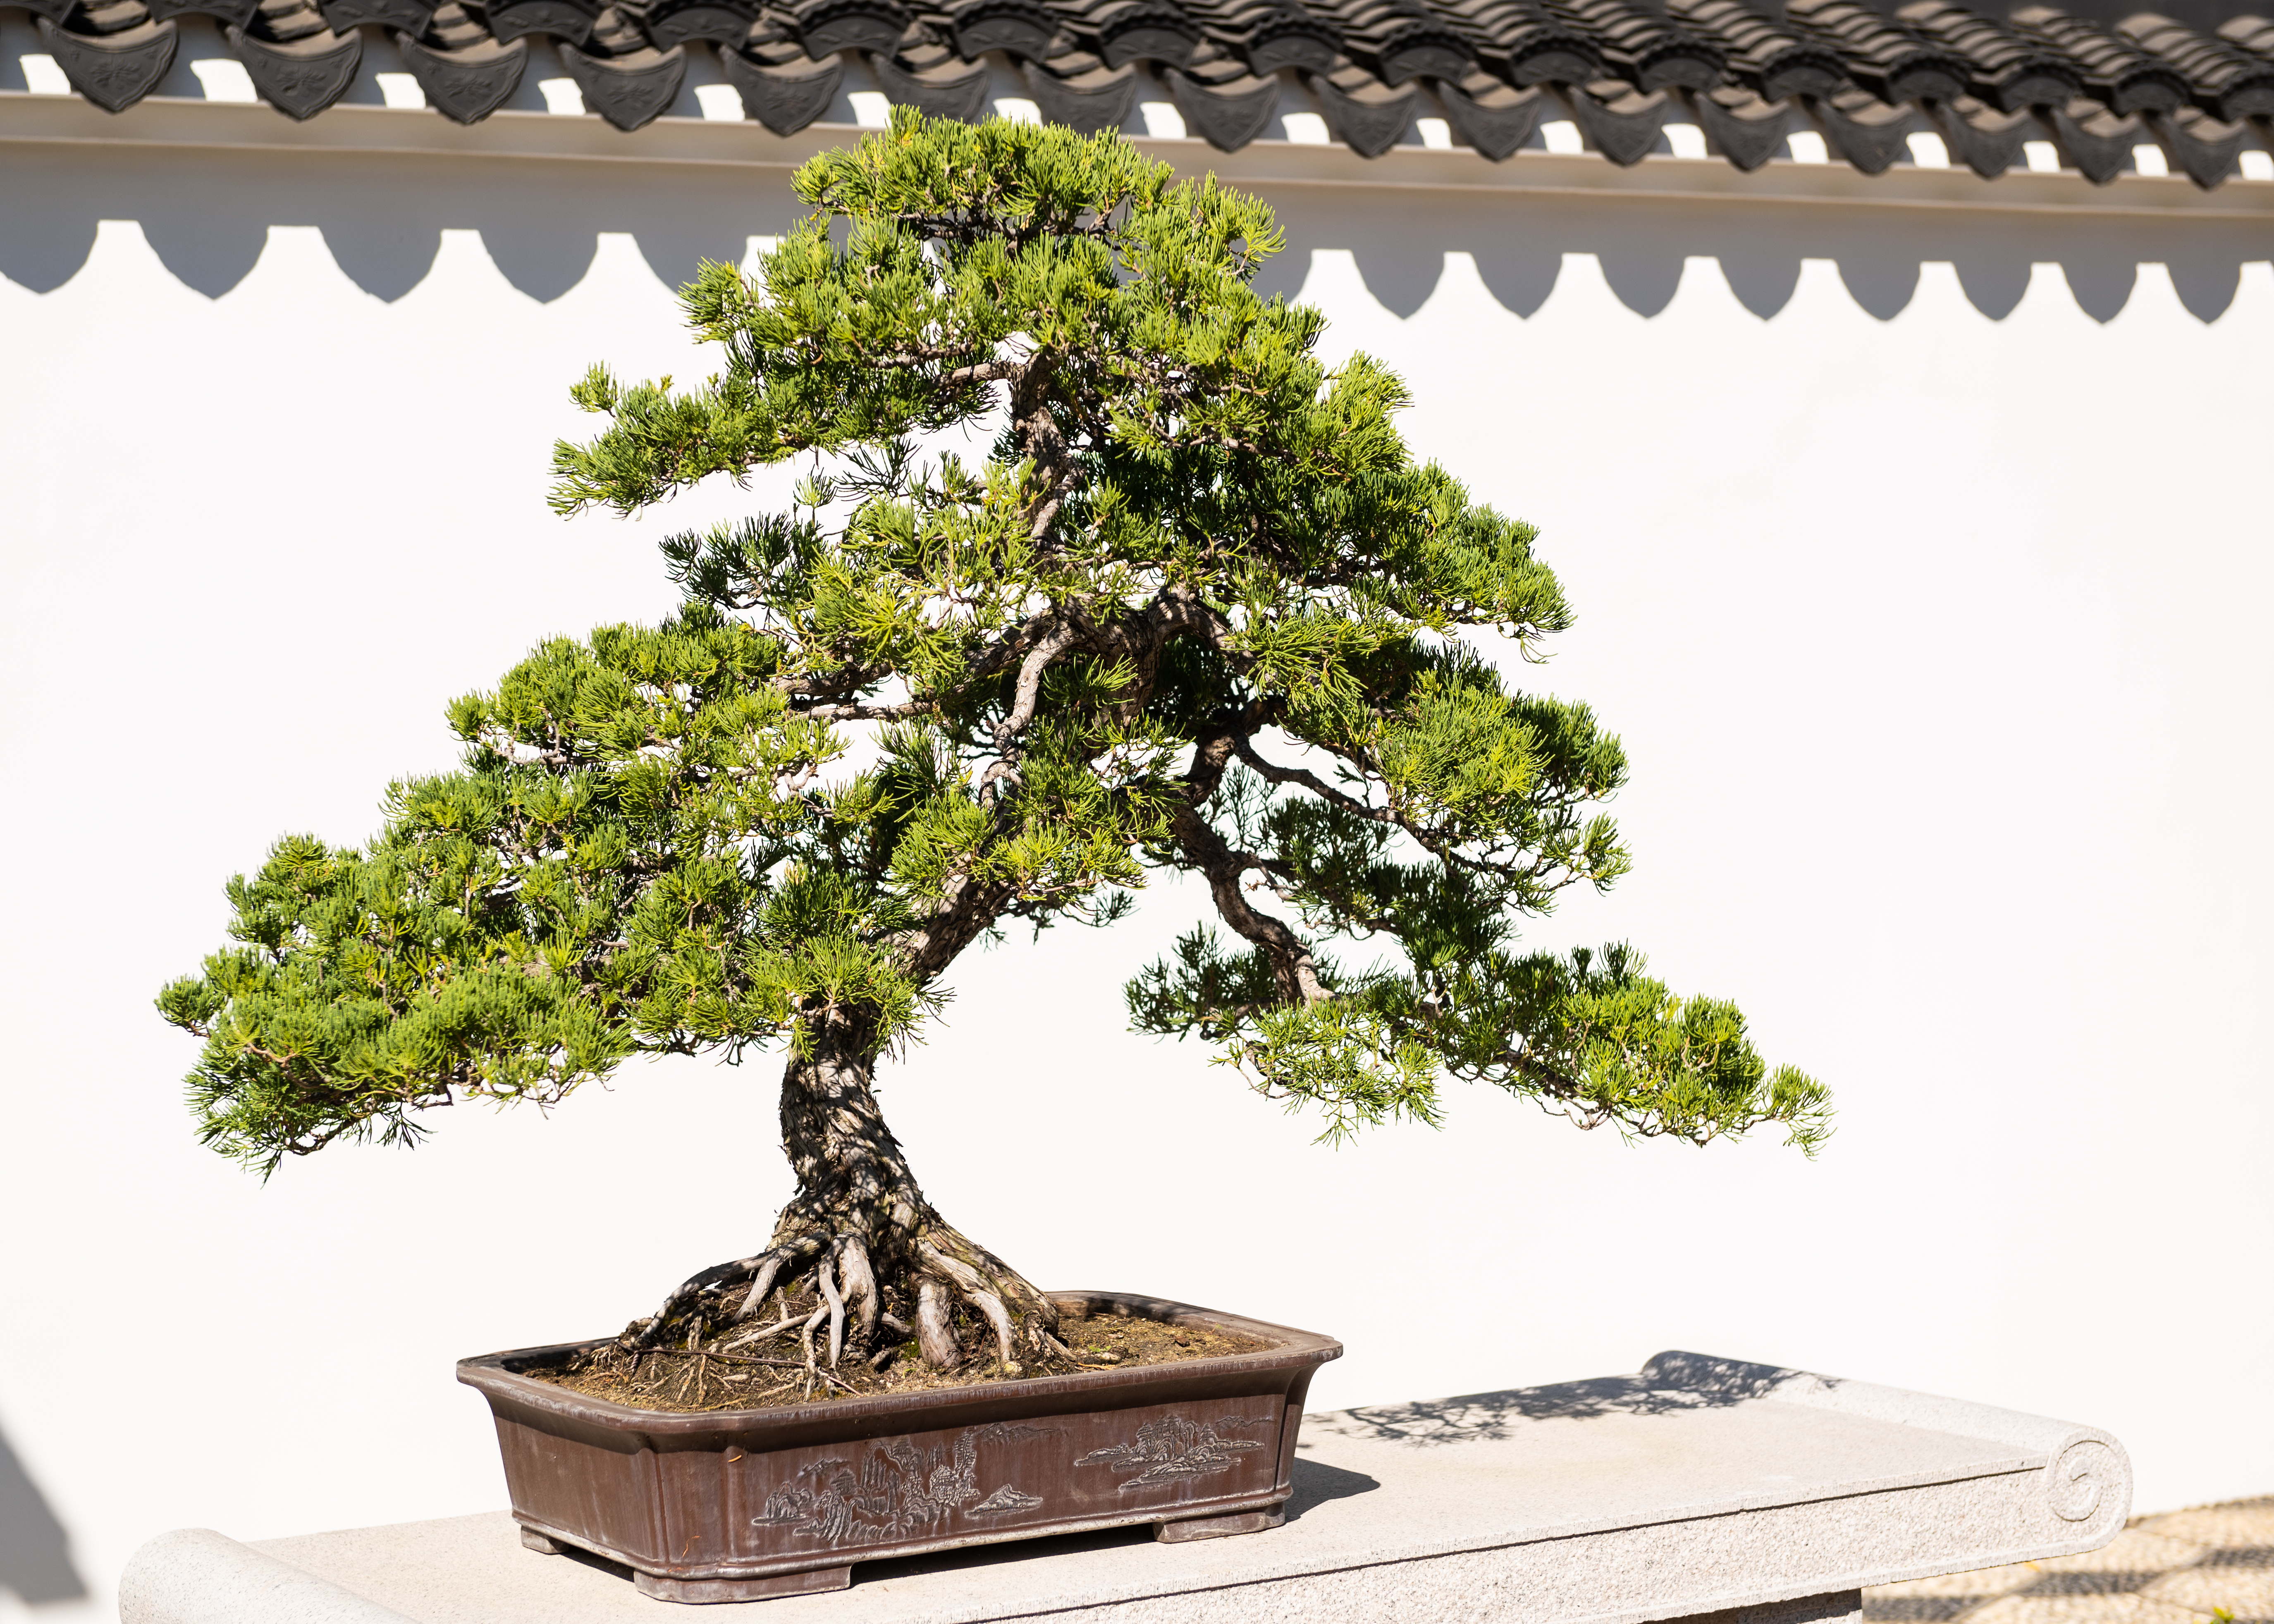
[(494, 1375)]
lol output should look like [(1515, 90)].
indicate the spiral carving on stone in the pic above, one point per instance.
[(2078, 1478)]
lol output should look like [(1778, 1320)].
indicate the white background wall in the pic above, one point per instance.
[(1936, 639)]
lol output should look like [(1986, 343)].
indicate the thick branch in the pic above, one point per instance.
[(1292, 966)]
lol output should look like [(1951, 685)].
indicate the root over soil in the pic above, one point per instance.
[(775, 1364)]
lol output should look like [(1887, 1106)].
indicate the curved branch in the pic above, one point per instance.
[(1292, 966)]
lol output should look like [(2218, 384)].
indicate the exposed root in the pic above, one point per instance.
[(973, 1287), (805, 1332), (862, 1298), (935, 1335), (828, 1283), (752, 1338)]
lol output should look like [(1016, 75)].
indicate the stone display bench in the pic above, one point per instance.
[(1701, 1487)]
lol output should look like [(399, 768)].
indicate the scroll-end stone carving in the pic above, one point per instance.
[(2089, 1481)]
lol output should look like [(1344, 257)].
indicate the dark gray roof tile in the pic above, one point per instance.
[(2115, 71), (1985, 139), (2228, 80), (1867, 78), (2010, 71), (2095, 141), (1078, 90), (2201, 147), (1365, 114), (1221, 103), (1620, 120), (1864, 129), (1761, 55), (1490, 115), (1741, 124), (1883, 54), (114, 68), (1647, 51), (469, 84)]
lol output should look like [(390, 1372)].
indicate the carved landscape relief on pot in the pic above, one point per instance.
[(976, 1480)]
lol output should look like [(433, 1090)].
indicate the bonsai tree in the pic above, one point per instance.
[(1199, 609)]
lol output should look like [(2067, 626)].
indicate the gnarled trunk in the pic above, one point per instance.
[(860, 1264)]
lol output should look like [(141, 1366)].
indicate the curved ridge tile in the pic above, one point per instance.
[(943, 88), (1122, 32), (2011, 72), (412, 17), (1364, 115), (1740, 125), (629, 89), (783, 88), (2094, 140), (1269, 35), (1490, 115), (1227, 113), (724, 23), (1649, 51), (465, 86), (1862, 129), (1985, 139), (2201, 147), (1881, 54), (2115, 71), (114, 71), (1518, 41), (228, 13), (1022, 28), (571, 22), (1760, 56), (294, 60), (1092, 99), (2227, 81), (1620, 121), (825, 27)]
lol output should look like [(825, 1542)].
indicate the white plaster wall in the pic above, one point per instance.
[(1934, 635)]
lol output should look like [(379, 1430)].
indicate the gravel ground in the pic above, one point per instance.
[(2213, 1565)]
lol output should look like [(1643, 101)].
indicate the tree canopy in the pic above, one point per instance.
[(1199, 608)]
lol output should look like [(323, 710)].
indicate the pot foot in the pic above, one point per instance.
[(813, 1579), (536, 1541), (1220, 1527)]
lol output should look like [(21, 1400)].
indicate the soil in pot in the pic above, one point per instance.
[(770, 1366)]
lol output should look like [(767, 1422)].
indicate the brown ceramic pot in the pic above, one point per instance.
[(739, 1504)]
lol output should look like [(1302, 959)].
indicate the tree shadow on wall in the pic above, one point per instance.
[(35, 1560), (382, 217), (1519, 244)]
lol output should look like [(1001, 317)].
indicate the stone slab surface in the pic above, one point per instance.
[(1698, 1486)]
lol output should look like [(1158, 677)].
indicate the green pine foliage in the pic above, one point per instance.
[(1199, 609)]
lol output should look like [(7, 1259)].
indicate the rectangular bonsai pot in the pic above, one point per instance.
[(735, 1504)]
